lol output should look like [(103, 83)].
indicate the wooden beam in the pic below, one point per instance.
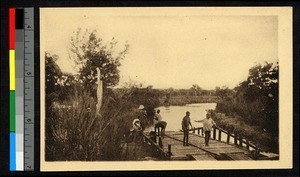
[(160, 142), (235, 139), (247, 145), (241, 140), (228, 138), (214, 133), (169, 150)]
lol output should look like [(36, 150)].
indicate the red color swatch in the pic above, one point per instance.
[(12, 28)]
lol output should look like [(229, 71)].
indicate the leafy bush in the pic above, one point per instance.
[(255, 134), (252, 108)]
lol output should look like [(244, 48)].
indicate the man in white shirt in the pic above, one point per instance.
[(158, 123), (208, 123)]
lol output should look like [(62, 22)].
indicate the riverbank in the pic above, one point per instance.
[(256, 134)]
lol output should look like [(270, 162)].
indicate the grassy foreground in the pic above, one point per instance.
[(74, 132)]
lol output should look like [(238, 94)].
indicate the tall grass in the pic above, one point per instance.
[(74, 132)]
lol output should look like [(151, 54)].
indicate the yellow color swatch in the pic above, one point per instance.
[(12, 72)]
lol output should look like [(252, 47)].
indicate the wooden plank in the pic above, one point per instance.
[(201, 157), (187, 152), (197, 147), (184, 148), (180, 158), (179, 152), (224, 150), (238, 156)]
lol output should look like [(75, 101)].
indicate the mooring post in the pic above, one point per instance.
[(160, 131), (247, 144), (228, 137), (214, 133), (235, 139), (256, 148), (257, 151), (241, 140), (220, 133), (169, 150), (160, 142)]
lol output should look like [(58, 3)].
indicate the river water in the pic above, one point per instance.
[(173, 114)]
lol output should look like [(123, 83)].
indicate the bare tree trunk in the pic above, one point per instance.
[(99, 91)]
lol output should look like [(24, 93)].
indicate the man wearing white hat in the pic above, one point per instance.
[(142, 114), (142, 111), (136, 127)]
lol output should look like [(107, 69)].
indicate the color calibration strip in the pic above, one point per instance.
[(12, 84), (21, 66)]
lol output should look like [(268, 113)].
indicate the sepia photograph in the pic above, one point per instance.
[(166, 88)]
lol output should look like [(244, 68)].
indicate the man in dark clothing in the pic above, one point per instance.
[(186, 121)]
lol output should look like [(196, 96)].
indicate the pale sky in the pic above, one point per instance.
[(170, 47)]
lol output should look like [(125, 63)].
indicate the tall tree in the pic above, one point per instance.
[(53, 74), (261, 87), (90, 52), (59, 84), (223, 92), (196, 90), (255, 102)]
